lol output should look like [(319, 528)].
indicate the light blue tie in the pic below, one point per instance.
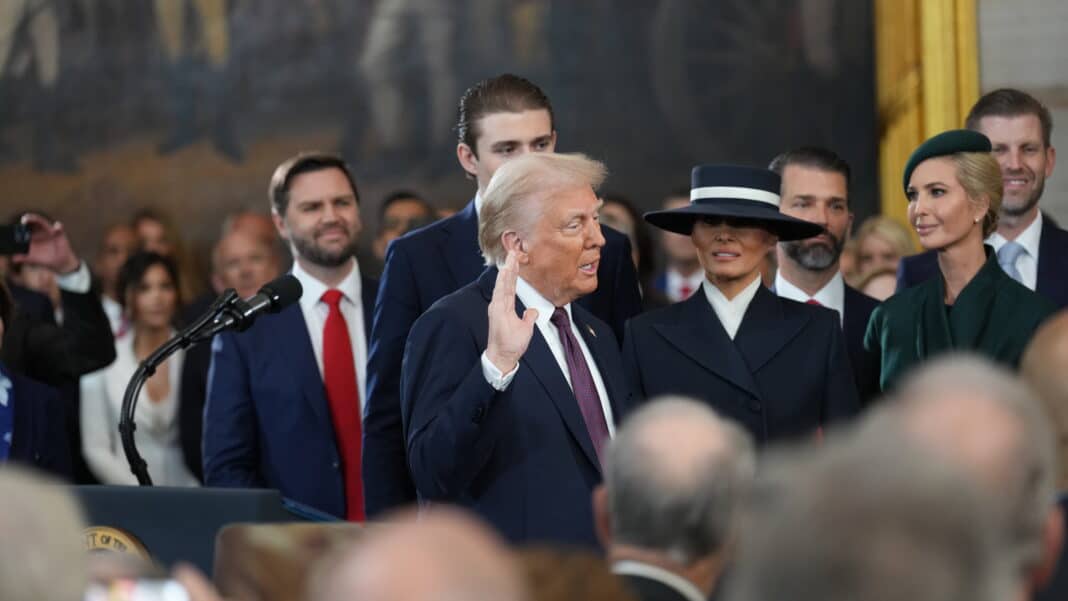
[(1007, 255)]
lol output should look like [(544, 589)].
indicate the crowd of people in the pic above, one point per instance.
[(787, 405)]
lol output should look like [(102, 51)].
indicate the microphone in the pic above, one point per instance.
[(272, 298)]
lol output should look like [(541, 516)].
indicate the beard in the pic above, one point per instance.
[(815, 257), (312, 251), (1032, 200)]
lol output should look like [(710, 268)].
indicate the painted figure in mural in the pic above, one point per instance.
[(184, 74), (29, 38)]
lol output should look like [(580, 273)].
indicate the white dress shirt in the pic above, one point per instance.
[(681, 585), (315, 312), (831, 296), (675, 282), (157, 423), (1027, 262), (532, 299), (731, 312)]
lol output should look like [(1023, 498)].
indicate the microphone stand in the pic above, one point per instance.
[(193, 334)]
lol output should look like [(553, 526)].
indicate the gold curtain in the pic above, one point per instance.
[(927, 78)]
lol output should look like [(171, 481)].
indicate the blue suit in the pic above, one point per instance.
[(422, 267), (39, 439), (267, 420), (1052, 280), (785, 374), (521, 458)]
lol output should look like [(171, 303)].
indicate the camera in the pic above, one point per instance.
[(14, 239)]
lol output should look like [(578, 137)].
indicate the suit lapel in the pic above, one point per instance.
[(1049, 282), (600, 346), (698, 334), (368, 294), (462, 253), (765, 330), (301, 358)]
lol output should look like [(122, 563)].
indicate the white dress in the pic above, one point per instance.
[(157, 426)]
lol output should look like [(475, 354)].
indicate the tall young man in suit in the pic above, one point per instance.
[(510, 389), (500, 119), (815, 187), (1030, 249), (667, 510), (284, 397)]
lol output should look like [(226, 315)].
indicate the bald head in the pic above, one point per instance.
[(1045, 369), (979, 416), (254, 223), (442, 555), (244, 261), (673, 475)]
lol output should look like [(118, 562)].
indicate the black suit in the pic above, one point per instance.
[(858, 308), (422, 267), (40, 438), (648, 589), (1052, 277), (1057, 589), (785, 374)]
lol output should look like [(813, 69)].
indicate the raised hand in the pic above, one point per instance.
[(49, 246), (508, 334)]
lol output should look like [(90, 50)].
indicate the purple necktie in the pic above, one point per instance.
[(582, 382)]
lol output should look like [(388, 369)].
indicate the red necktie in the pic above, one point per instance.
[(813, 301), (339, 375), (685, 292)]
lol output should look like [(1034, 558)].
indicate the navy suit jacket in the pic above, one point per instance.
[(520, 458), (40, 436), (422, 267), (1052, 280), (267, 420), (1057, 588), (858, 308), (786, 373)]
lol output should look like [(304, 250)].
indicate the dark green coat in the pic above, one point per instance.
[(994, 316)]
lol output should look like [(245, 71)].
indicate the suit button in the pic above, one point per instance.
[(478, 414), (336, 465), (755, 406)]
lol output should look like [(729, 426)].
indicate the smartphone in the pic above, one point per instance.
[(14, 239), (137, 590)]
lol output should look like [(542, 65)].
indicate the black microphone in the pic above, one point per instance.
[(272, 298)]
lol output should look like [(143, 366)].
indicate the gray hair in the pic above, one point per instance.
[(674, 475), (44, 556), (1025, 480), (865, 518), (510, 199)]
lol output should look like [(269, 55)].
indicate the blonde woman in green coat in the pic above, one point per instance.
[(953, 185)]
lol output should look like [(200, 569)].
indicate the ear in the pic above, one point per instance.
[(601, 520), (1051, 160), (1052, 543), (512, 242), (279, 224), (468, 159)]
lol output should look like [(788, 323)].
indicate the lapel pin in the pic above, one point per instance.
[(590, 329)]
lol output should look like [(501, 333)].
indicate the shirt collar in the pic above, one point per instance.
[(478, 203), (532, 299), (1028, 239), (738, 304), (832, 295), (313, 288), (636, 568)]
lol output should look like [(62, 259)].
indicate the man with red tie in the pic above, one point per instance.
[(510, 389), (284, 397)]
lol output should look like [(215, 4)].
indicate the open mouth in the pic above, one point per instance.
[(589, 268), (725, 256), (1017, 182)]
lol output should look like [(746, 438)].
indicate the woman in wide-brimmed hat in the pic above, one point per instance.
[(954, 188), (776, 366)]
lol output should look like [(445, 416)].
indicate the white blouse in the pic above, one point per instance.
[(157, 426)]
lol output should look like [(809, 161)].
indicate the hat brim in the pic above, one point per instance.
[(681, 220)]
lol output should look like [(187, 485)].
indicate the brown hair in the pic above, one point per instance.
[(1009, 102), (505, 93), (304, 162)]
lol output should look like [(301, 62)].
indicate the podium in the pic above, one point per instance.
[(179, 524)]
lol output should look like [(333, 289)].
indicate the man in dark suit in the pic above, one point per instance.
[(499, 119), (1031, 249), (283, 401), (776, 366), (815, 187), (667, 509), (510, 389)]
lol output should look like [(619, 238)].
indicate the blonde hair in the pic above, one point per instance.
[(980, 175), (509, 200), (888, 229)]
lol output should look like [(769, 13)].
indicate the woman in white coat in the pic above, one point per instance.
[(148, 288)]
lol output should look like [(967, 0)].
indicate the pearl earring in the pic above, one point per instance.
[(977, 220)]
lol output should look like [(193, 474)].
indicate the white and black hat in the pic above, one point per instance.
[(733, 192)]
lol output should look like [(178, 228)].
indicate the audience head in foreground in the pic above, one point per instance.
[(440, 555), (1045, 369), (674, 477), (866, 518), (977, 415)]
